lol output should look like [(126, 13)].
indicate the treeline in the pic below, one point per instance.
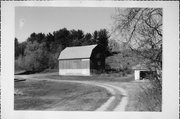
[(40, 51)]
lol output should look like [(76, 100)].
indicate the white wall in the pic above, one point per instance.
[(85, 72), (137, 74), (76, 72)]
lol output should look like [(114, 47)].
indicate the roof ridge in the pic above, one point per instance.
[(82, 46)]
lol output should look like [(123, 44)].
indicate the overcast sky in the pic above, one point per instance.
[(49, 19)]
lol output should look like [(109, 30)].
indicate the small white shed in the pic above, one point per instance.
[(141, 71)]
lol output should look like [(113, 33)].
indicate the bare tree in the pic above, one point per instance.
[(141, 30)]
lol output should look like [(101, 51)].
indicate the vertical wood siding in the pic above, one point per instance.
[(74, 64)]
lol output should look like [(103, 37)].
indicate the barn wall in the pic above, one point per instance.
[(74, 67)]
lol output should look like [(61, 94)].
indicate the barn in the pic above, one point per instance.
[(81, 60), (141, 71)]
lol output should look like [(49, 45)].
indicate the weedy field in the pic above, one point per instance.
[(143, 96)]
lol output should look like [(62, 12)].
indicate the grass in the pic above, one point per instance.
[(142, 95), (150, 98), (48, 95), (90, 78)]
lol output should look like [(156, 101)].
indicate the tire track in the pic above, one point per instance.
[(120, 101)]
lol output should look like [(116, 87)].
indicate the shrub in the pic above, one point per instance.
[(120, 63), (36, 61), (36, 57), (53, 61), (19, 63)]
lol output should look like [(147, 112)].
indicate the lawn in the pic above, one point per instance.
[(49, 95), (98, 78), (40, 95)]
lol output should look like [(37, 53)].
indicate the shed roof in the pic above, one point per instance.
[(140, 67), (77, 52), (144, 67)]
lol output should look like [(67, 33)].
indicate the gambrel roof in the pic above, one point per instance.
[(77, 52)]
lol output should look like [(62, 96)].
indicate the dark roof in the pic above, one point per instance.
[(77, 52)]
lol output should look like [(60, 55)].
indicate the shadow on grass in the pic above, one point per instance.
[(26, 72), (91, 78)]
